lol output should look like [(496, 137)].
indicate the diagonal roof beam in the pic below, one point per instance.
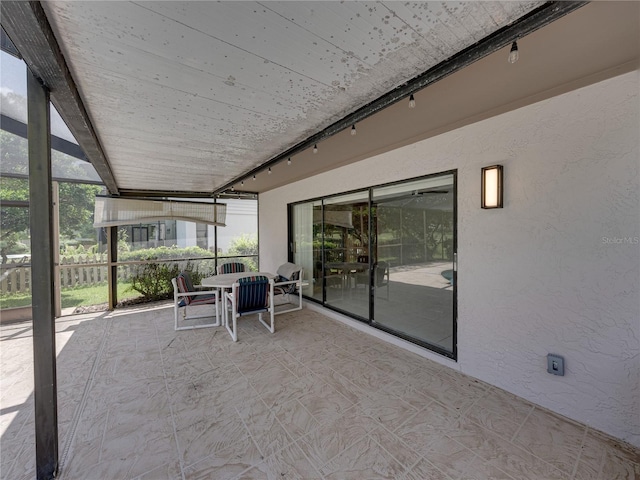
[(28, 28)]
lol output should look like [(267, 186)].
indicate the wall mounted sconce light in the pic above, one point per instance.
[(492, 187)]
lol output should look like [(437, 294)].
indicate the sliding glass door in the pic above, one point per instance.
[(346, 253), (306, 245), (384, 255), (414, 260)]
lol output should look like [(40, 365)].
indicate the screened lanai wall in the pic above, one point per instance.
[(76, 182), (556, 270), (83, 261)]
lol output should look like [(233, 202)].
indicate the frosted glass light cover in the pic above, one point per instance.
[(492, 187)]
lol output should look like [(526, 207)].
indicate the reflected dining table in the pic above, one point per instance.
[(225, 281)]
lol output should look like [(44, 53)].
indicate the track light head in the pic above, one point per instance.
[(513, 53)]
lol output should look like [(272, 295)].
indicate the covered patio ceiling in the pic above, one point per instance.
[(192, 97)]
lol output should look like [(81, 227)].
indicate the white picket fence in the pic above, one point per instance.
[(77, 271), (91, 269)]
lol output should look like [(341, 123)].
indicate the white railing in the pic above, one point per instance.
[(82, 270), (76, 271)]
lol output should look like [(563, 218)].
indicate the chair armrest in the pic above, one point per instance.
[(200, 292), (288, 282)]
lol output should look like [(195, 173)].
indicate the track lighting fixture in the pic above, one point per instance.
[(412, 101), (315, 148), (513, 53), (353, 130), (269, 171), (254, 178), (289, 161)]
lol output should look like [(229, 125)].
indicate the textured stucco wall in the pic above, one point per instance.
[(557, 270)]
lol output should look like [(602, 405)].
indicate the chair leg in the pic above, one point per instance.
[(270, 327), (232, 331)]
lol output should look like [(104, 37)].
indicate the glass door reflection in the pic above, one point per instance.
[(306, 244), (413, 291), (346, 253)]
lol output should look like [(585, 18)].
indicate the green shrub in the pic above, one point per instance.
[(163, 253), (153, 280)]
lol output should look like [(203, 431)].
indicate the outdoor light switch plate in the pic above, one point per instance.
[(555, 364)]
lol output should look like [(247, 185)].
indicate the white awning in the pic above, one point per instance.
[(110, 211)]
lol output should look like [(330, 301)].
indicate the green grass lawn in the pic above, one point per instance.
[(74, 297)]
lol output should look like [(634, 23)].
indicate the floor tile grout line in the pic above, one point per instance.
[(468, 409), (271, 412), (407, 469), (512, 441), (433, 465), (262, 455), (575, 466), (293, 442), (515, 434), (173, 420), (346, 446), (523, 448), (476, 456), (414, 415), (83, 399)]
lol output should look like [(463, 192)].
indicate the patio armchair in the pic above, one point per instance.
[(186, 295), (231, 267), (249, 296), (288, 282)]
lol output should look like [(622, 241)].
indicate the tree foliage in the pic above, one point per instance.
[(245, 244), (76, 208), (76, 199)]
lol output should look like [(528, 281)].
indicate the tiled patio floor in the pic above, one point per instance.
[(315, 400)]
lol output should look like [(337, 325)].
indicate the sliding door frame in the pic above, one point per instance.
[(453, 354)]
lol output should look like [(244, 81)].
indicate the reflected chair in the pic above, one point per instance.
[(381, 274), (186, 295), (381, 277), (249, 296), (334, 283), (231, 267), (287, 283)]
